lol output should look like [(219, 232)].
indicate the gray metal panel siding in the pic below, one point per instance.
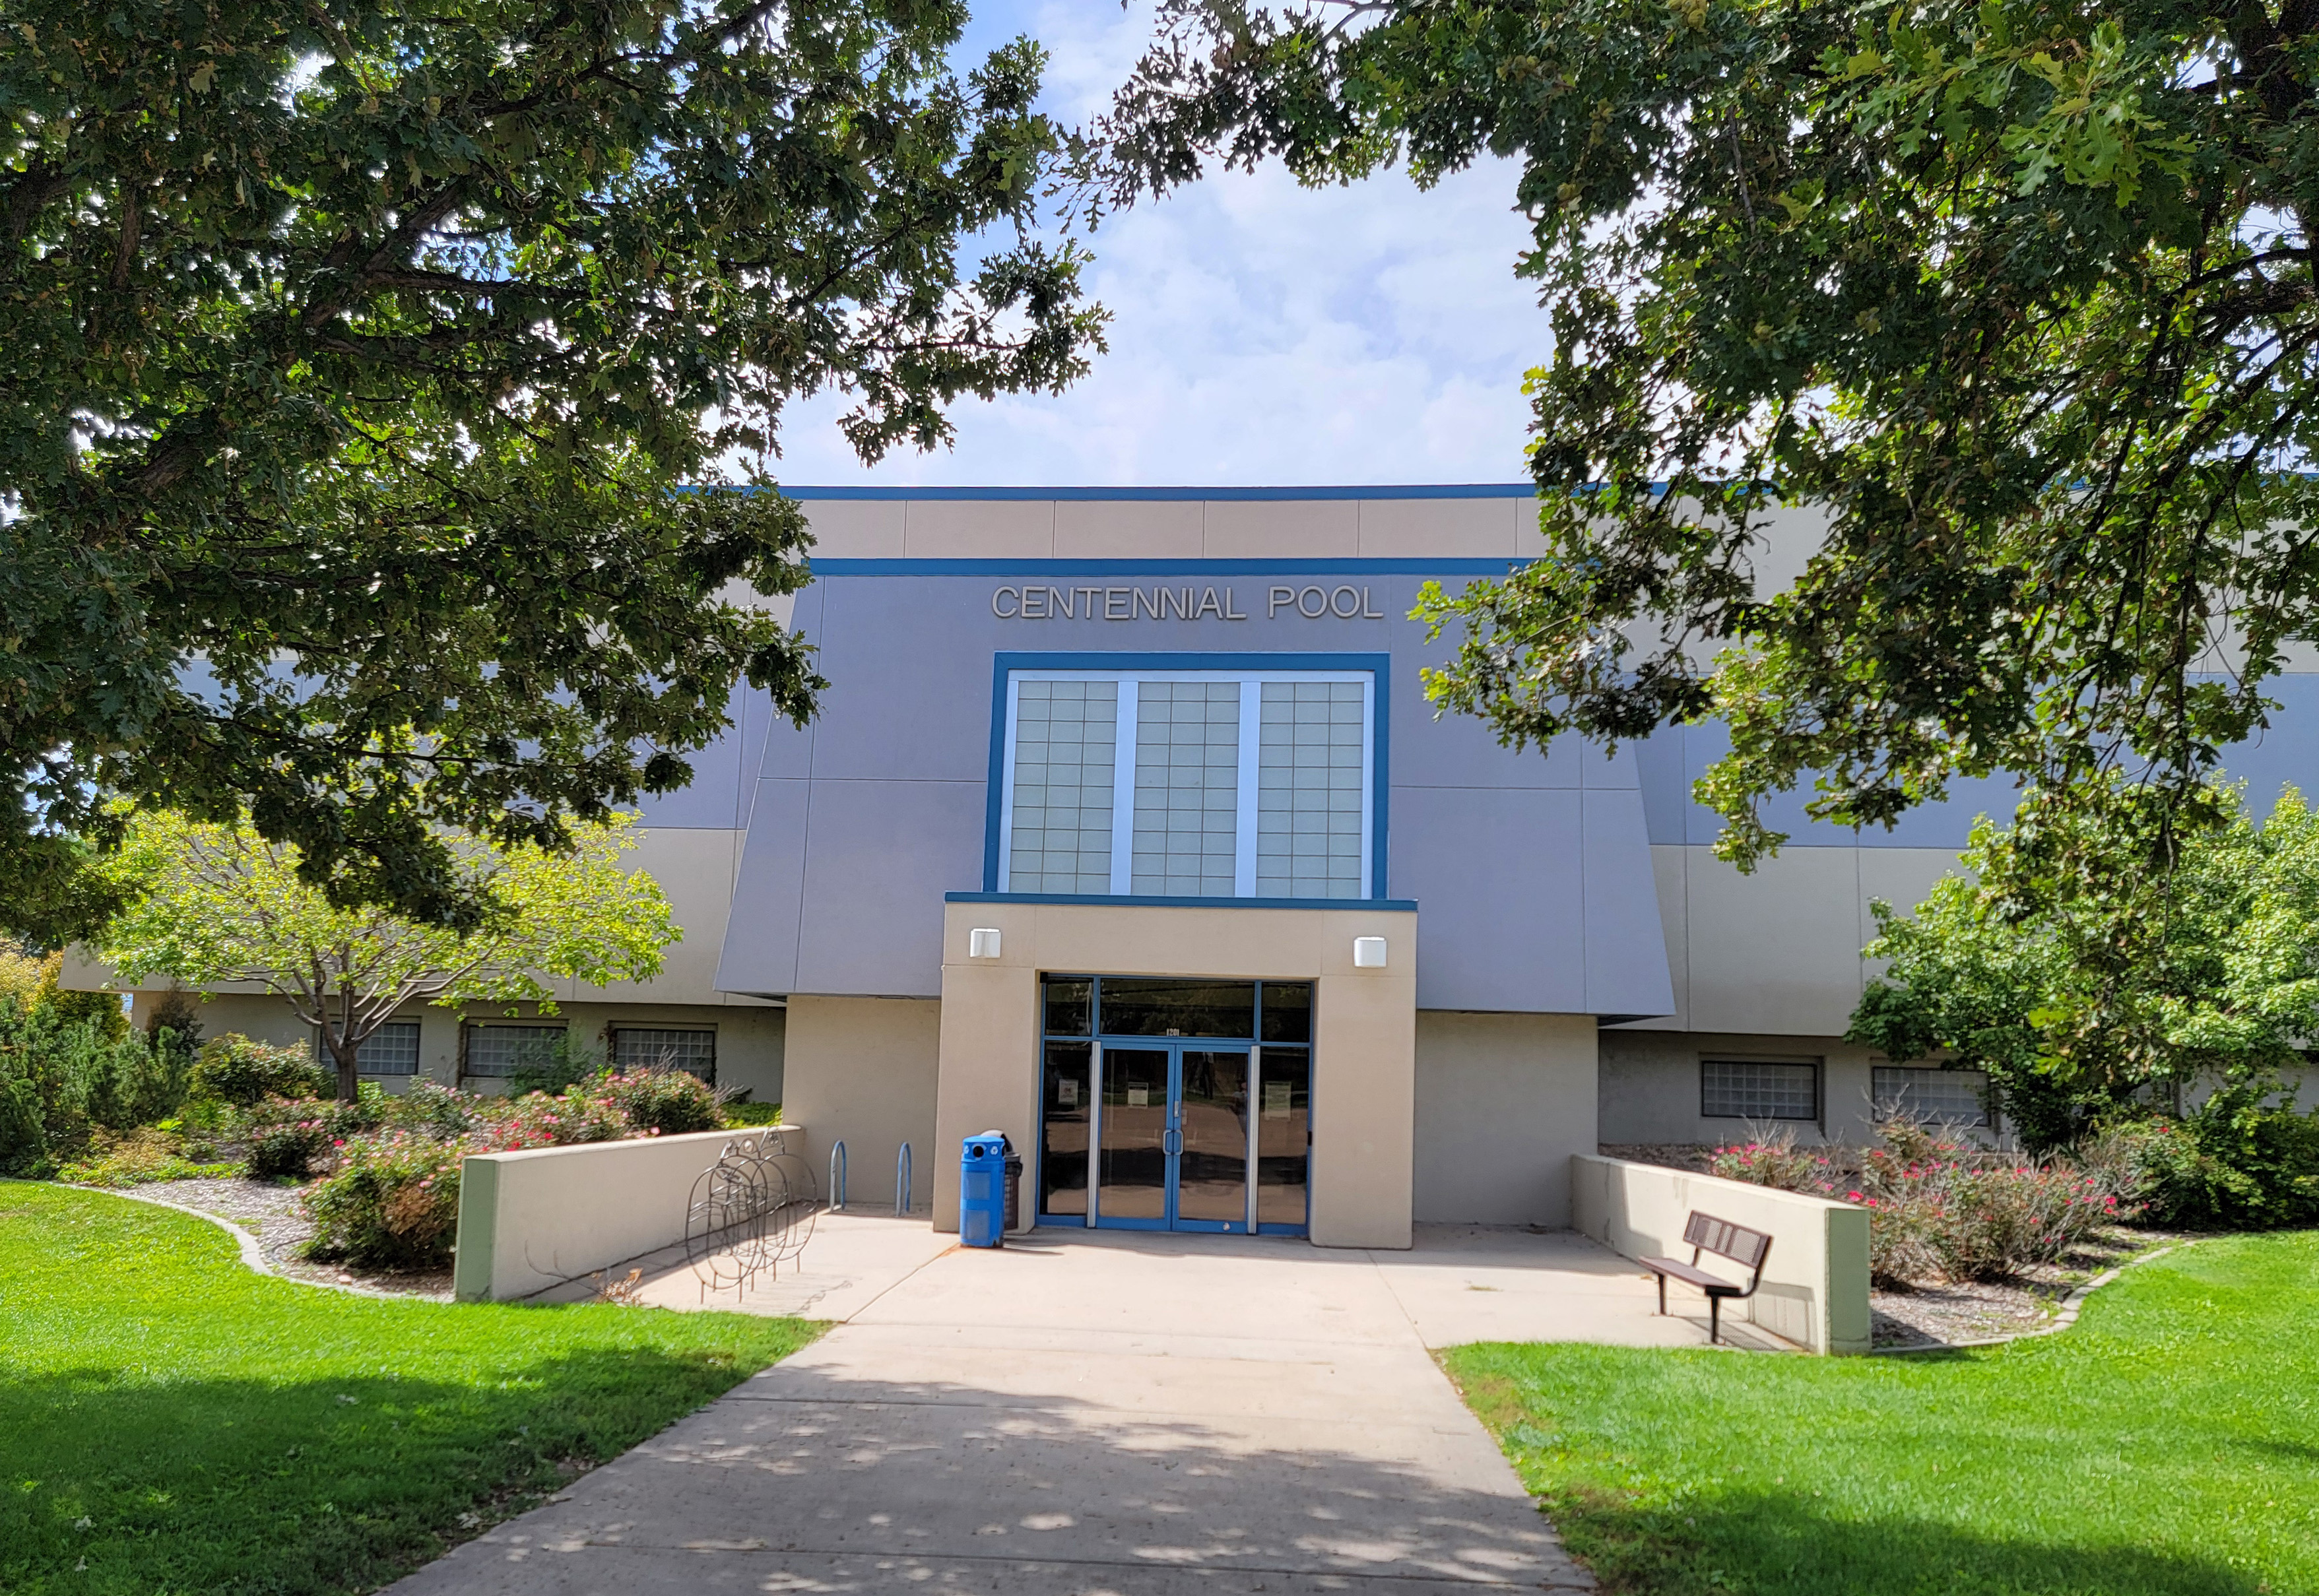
[(879, 856), (909, 662), (1492, 844), (1497, 878), (760, 935), (1626, 948)]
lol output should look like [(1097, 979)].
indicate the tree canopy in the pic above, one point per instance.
[(212, 905), (2020, 292), (2081, 998), (356, 359)]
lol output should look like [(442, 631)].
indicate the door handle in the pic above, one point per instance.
[(1171, 1141)]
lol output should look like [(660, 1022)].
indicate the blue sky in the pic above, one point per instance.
[(1261, 333)]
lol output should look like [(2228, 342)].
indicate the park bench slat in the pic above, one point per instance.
[(1706, 1233)]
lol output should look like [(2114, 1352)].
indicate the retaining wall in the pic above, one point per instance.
[(1815, 1290), (539, 1218)]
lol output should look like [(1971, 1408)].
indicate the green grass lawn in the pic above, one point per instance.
[(2167, 1443), (171, 1423)]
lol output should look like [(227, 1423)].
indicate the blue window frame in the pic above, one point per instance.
[(1189, 776)]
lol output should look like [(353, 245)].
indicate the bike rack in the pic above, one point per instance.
[(836, 1176), (902, 1181)]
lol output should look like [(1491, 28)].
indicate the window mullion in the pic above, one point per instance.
[(1369, 887), (1007, 787), (1122, 791), (1251, 707)]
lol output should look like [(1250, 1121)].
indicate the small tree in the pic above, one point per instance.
[(220, 904), (2084, 993)]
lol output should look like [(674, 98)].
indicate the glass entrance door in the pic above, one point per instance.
[(1135, 1163), (1175, 1104), (1172, 1145)]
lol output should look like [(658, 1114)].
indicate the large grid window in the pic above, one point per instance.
[(1189, 784), (390, 1049), (1187, 788), (500, 1051), (1942, 1097), (1752, 1089), (1311, 789), (642, 1047), (1064, 772)]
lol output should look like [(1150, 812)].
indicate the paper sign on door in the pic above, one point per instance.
[(1277, 1099), (1138, 1096), (1067, 1094)]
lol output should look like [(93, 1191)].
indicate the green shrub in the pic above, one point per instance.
[(563, 1066), (235, 1069), (752, 1113), (391, 1203), (150, 1152), (62, 1078), (429, 1109), (287, 1137), (668, 1101), (2241, 1160)]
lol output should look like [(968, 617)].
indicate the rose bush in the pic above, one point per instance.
[(1941, 1209)]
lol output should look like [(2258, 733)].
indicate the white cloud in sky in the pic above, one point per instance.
[(1261, 332)]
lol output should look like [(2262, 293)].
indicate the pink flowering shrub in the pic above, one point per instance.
[(1774, 1159), (287, 1137), (670, 1102), (1939, 1208), (393, 1203)]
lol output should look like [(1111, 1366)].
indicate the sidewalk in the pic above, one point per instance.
[(1089, 1412)]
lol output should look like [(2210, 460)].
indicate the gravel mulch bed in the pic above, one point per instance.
[(1943, 1314), (272, 1213)]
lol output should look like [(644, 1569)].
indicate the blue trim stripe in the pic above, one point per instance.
[(1398, 565), (1389, 905), (1272, 495)]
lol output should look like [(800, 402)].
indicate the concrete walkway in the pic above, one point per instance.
[(1087, 1412)]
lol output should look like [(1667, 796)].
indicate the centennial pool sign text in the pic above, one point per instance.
[(1187, 603)]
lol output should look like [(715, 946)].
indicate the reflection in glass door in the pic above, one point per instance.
[(1284, 1139), (1138, 1138), (1212, 1139)]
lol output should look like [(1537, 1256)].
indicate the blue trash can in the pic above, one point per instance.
[(982, 1191)]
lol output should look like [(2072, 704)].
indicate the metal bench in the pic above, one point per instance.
[(1703, 1232)]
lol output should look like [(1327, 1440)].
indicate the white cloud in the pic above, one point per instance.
[(1261, 333)]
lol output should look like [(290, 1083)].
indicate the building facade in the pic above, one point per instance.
[(1126, 829)]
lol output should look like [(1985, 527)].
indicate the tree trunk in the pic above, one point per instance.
[(344, 1057)]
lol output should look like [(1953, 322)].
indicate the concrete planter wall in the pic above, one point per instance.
[(1815, 1289), (531, 1219)]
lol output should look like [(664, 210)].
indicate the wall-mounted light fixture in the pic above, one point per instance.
[(1369, 953), (982, 942)]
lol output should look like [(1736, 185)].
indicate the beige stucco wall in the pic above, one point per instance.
[(1503, 1103), (1778, 953), (749, 1040), (530, 1220), (861, 1069), (1815, 1289), (1191, 530), (1364, 1044)]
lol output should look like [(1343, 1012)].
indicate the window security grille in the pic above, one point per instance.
[(635, 1047), (1749, 1090), (497, 1050), (1944, 1097), (390, 1049)]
